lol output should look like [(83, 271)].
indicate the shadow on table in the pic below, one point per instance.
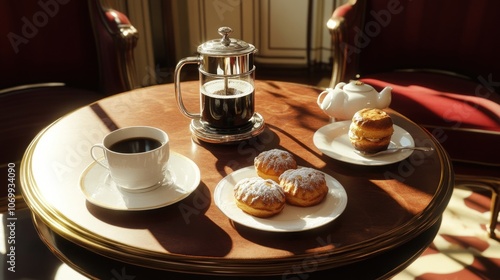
[(176, 227), (244, 151)]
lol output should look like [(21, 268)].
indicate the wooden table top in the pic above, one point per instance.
[(387, 205)]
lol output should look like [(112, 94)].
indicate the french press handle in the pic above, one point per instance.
[(177, 75)]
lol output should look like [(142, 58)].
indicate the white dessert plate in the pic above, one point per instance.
[(333, 141), (292, 218), (99, 189)]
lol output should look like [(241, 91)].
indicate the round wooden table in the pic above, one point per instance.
[(392, 214)]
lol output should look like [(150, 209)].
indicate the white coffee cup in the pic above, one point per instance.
[(136, 156)]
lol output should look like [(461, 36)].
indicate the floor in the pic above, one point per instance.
[(462, 249)]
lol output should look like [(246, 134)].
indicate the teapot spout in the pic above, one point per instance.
[(384, 97)]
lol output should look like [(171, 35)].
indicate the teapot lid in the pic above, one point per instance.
[(358, 86), (225, 46)]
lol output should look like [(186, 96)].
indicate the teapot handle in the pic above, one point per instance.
[(340, 85), (320, 97), (177, 75)]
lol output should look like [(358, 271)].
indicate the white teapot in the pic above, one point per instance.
[(343, 101)]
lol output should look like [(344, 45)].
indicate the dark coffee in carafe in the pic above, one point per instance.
[(228, 105)]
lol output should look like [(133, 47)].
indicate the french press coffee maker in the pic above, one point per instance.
[(227, 93)]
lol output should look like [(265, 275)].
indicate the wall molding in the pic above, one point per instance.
[(280, 35)]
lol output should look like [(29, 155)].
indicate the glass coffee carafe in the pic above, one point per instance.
[(227, 93)]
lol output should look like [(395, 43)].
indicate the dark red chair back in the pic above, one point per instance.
[(56, 56), (47, 41), (446, 35)]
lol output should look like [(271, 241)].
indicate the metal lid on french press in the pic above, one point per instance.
[(225, 46)]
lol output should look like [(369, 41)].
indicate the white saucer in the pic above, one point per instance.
[(292, 218), (99, 189), (333, 141)]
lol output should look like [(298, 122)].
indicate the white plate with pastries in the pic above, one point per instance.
[(292, 218), (333, 141)]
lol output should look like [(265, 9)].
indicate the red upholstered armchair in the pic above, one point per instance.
[(55, 56), (442, 59)]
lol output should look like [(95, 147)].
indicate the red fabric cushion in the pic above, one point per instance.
[(441, 100), (462, 114)]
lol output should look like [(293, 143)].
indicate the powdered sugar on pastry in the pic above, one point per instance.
[(272, 163), (251, 189), (307, 178), (259, 197), (304, 186), (275, 159)]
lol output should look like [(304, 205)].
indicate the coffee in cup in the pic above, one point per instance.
[(135, 145), (135, 156)]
